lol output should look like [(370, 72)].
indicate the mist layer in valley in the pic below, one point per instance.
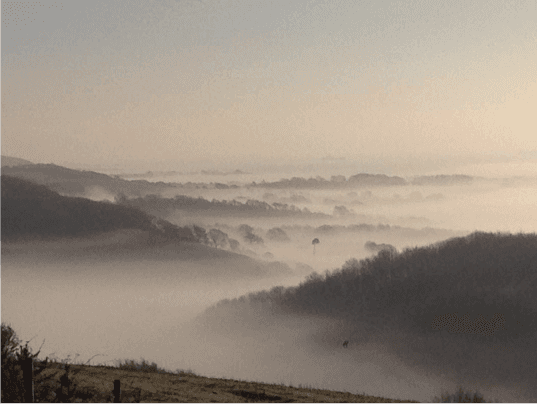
[(100, 265), (408, 329), (450, 201)]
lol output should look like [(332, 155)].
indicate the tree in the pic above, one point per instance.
[(233, 244), (200, 234), (374, 247), (219, 238), (342, 211), (248, 235), (17, 361), (315, 242), (277, 234)]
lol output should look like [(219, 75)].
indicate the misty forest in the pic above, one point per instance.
[(399, 268)]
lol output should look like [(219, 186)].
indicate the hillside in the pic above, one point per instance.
[(14, 161), (32, 211), (492, 277), (76, 183), (110, 232)]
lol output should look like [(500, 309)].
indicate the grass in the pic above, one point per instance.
[(140, 382)]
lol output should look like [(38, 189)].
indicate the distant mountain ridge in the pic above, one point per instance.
[(8, 161)]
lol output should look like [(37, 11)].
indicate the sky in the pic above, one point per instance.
[(224, 82)]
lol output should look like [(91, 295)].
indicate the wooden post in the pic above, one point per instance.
[(28, 377), (117, 391), (64, 386)]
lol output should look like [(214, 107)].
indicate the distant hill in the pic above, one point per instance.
[(36, 221), (32, 211), (363, 180), (335, 182), (14, 161), (76, 183)]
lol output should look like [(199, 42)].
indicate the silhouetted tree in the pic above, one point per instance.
[(315, 241)]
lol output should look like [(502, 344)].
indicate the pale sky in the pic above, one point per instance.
[(94, 82)]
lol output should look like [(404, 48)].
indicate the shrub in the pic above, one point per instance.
[(142, 366), (12, 387), (13, 357), (460, 397)]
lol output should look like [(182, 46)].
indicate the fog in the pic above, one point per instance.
[(82, 311), (309, 352), (113, 308), (86, 299), (144, 310), (93, 299), (479, 205)]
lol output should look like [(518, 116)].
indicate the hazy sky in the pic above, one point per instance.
[(94, 82)]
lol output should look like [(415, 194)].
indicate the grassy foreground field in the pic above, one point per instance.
[(149, 384)]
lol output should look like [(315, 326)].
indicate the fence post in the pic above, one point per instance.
[(117, 391), (28, 377), (64, 386)]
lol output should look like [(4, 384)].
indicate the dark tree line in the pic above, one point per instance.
[(334, 229), (157, 205), (338, 181), (484, 284)]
